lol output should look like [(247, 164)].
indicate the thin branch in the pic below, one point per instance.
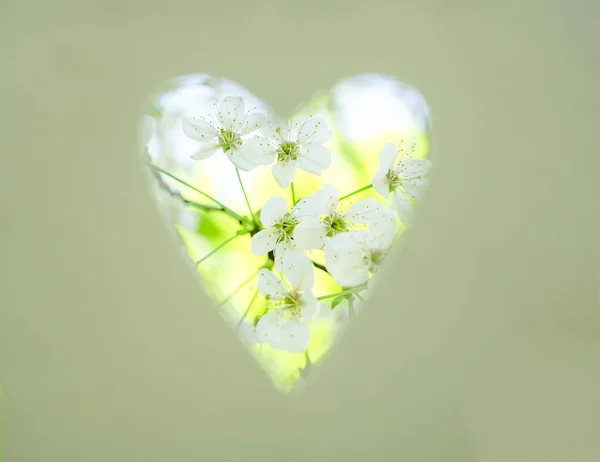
[(183, 182), (163, 185)]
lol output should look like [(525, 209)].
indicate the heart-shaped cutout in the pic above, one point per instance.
[(286, 221)]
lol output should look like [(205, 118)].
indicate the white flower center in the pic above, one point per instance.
[(229, 140), (288, 150), (396, 176), (374, 258), (292, 304), (394, 179), (286, 228), (335, 223)]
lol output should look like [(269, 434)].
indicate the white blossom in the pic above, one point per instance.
[(313, 231), (404, 180), (225, 131), (280, 225), (293, 145), (291, 305), (353, 256)]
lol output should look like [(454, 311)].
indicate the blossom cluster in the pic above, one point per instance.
[(355, 237)]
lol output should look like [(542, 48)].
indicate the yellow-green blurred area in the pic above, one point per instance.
[(364, 113)]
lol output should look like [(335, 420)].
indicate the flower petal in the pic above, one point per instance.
[(313, 131), (250, 123), (273, 211), (314, 159), (299, 271), (270, 285), (199, 129), (362, 210), (382, 229), (415, 187), (381, 183), (326, 200), (274, 127), (264, 241), (294, 336), (310, 306), (230, 112), (268, 329), (256, 151), (282, 249), (310, 233), (205, 151), (237, 158), (307, 207), (402, 206), (284, 173), (345, 258), (387, 156), (411, 168)]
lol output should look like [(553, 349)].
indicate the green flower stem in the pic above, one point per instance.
[(237, 171), (220, 246), (224, 208), (247, 310), (293, 194), (364, 188), (238, 288), (350, 309), (352, 290)]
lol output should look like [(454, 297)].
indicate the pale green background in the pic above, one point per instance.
[(486, 345)]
